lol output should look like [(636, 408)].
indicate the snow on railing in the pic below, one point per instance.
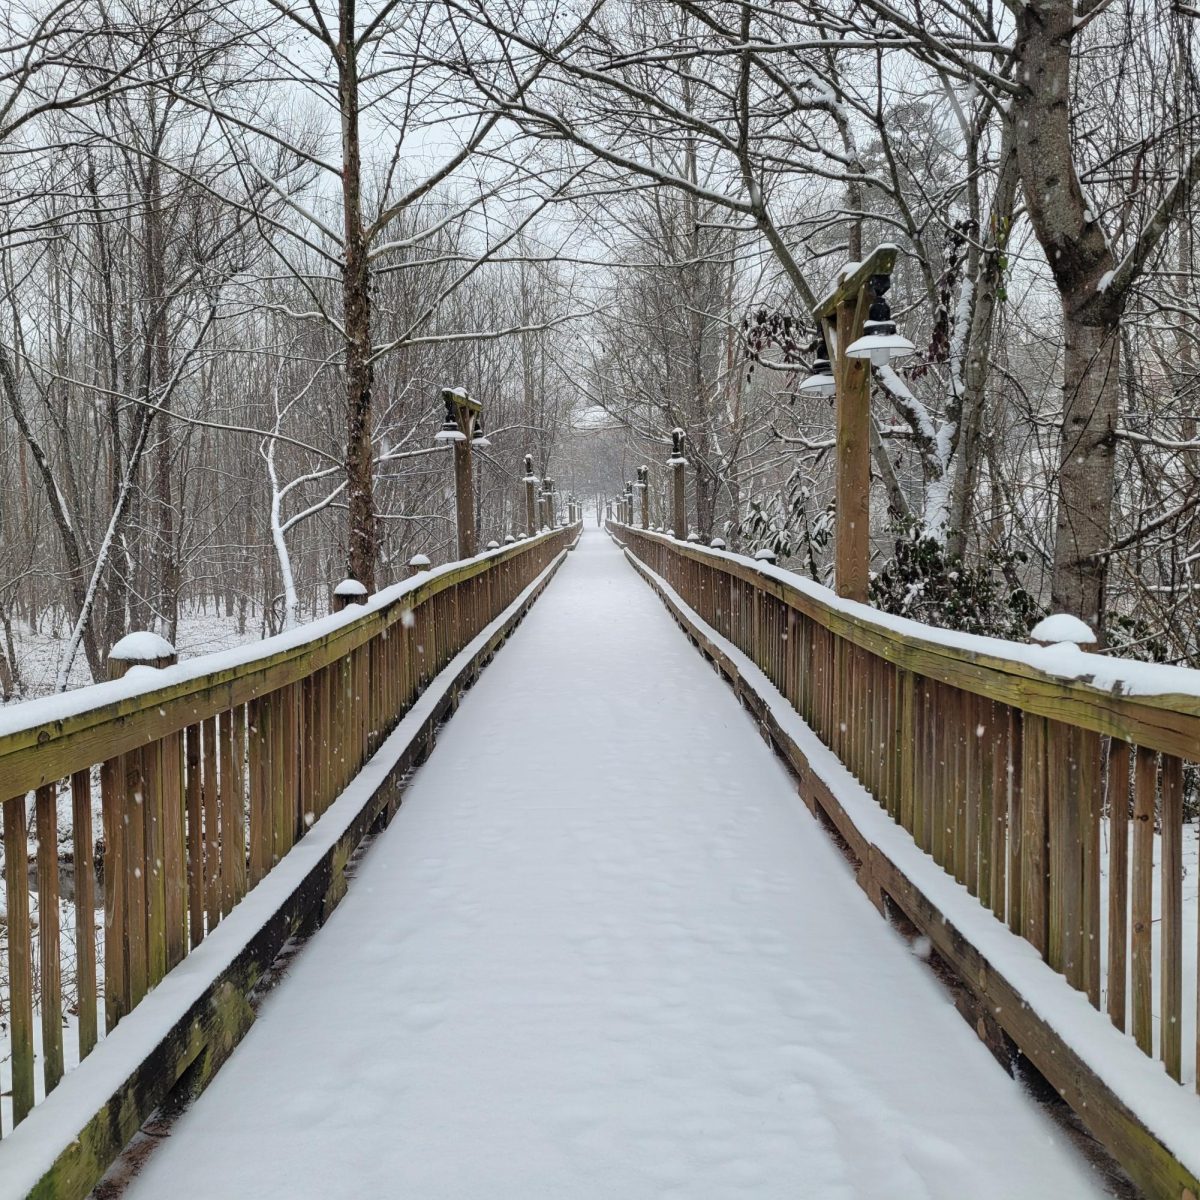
[(1049, 782), (206, 774)]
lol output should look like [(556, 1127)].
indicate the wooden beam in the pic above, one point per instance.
[(880, 261)]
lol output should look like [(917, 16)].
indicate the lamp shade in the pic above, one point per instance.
[(880, 343), (819, 384)]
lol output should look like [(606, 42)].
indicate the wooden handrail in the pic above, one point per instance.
[(208, 773), (1165, 721)]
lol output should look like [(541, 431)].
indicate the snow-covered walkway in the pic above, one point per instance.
[(604, 951)]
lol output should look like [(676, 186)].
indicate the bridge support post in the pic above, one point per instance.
[(678, 465)]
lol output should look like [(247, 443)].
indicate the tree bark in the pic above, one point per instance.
[(362, 535), (1079, 258), (969, 451)]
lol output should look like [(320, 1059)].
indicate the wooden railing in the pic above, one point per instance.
[(1010, 777), (208, 773)]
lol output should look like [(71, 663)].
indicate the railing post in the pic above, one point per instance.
[(531, 482), (644, 489), (135, 790), (678, 465), (417, 564), (463, 427), (853, 527), (349, 591)]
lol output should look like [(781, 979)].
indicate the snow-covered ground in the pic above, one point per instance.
[(605, 951), (39, 652)]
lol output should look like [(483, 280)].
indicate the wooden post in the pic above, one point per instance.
[(464, 498), (853, 527), (842, 314), (531, 482), (461, 427), (349, 591), (417, 564), (135, 904), (678, 465), (644, 487)]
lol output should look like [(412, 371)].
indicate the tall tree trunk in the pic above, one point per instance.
[(969, 451), (1081, 262), (362, 536), (72, 550), (1087, 468)]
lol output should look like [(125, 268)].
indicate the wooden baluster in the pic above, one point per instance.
[(939, 738), (1064, 882), (1033, 831), (1091, 783), (1001, 776), (116, 899), (1171, 1002), (960, 722), (1117, 777), (1145, 785), (926, 764), (49, 944), (83, 853), (978, 785), (259, 736), (906, 749), (20, 955), (279, 816), (212, 822), (134, 826), (230, 768), (309, 785), (172, 811), (154, 863), (1016, 819), (240, 749), (195, 836)]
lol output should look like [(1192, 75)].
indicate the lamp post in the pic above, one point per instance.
[(855, 322), (531, 482), (463, 428), (678, 465)]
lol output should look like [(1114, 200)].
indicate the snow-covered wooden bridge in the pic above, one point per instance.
[(608, 946)]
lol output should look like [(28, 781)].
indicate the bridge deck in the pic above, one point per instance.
[(604, 951)]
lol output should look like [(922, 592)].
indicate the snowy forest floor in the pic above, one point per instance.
[(605, 950), (201, 631)]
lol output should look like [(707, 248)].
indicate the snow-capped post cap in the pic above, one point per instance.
[(693, 536), (417, 564), (140, 649), (765, 555), (509, 539), (1062, 627), (493, 545), (717, 543), (349, 591)]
